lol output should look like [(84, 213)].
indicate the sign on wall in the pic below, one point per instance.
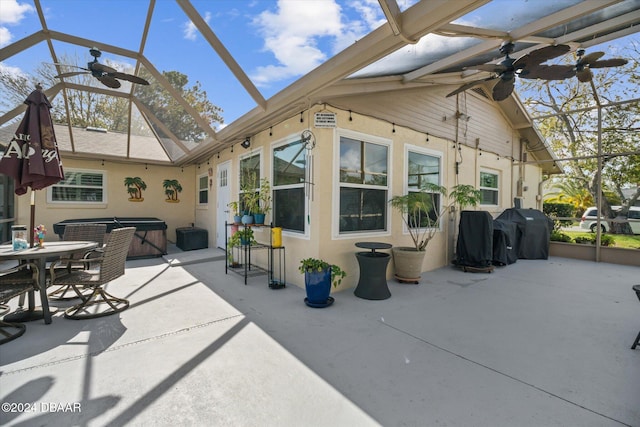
[(324, 120)]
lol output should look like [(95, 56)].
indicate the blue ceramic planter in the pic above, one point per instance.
[(318, 286)]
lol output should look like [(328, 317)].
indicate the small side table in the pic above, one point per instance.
[(372, 283)]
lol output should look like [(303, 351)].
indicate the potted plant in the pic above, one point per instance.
[(235, 208), (318, 277), (263, 202), (422, 212), (241, 237), (250, 198)]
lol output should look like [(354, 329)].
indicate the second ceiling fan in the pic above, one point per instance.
[(507, 70)]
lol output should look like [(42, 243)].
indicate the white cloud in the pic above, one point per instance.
[(301, 35), (12, 13), (190, 31), (15, 71)]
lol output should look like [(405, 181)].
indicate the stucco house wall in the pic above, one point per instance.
[(322, 239), (117, 202)]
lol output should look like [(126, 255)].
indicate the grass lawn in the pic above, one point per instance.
[(621, 240)]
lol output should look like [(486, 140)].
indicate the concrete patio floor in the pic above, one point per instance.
[(536, 343)]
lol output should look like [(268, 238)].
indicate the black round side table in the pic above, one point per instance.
[(372, 283)]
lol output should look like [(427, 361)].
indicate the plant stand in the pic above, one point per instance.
[(246, 268)]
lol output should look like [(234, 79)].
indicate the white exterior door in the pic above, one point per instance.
[(224, 197)]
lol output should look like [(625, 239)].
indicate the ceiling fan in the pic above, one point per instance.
[(108, 76), (581, 69), (507, 70)]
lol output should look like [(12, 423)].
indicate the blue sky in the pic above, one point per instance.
[(274, 42)]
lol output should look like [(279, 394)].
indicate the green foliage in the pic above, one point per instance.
[(605, 240), (243, 234), (421, 212), (234, 208), (572, 127), (249, 196), (318, 265), (556, 236), (556, 210)]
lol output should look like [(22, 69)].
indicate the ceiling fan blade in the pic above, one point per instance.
[(549, 72), (130, 78), (96, 66), (590, 58), (109, 81), (613, 62), (584, 75), (502, 89), (541, 55), (71, 74), (469, 85)]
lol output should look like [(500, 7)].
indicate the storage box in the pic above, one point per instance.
[(191, 238)]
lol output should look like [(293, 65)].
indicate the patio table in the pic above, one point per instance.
[(39, 256), (372, 283)]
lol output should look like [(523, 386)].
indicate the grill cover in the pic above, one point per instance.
[(475, 239), (534, 232)]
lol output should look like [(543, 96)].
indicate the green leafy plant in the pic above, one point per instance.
[(243, 235), (605, 240), (556, 236), (317, 265), (421, 211), (263, 204), (235, 207), (250, 197)]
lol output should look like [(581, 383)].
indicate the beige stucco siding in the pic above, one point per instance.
[(322, 239), (117, 201)]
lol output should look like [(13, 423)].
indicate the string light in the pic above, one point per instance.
[(394, 128), (350, 118), (102, 162), (427, 137), (270, 130), (301, 118), (218, 154), (182, 169), (145, 166), (232, 148)]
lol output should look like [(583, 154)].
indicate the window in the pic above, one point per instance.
[(363, 186), (249, 172), (423, 169), (489, 188), (289, 171), (203, 189), (79, 186)]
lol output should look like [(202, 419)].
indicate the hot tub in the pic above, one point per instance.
[(149, 241)]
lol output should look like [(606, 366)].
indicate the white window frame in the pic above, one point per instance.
[(427, 152), (290, 233), (497, 189), (92, 204), (207, 188), (335, 222)]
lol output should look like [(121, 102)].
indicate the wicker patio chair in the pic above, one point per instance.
[(111, 265), (14, 282), (73, 232)]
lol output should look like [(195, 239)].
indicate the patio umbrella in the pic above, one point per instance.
[(32, 156)]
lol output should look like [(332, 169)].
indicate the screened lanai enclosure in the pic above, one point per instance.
[(403, 43), (220, 72)]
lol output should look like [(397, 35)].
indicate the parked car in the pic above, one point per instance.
[(590, 217)]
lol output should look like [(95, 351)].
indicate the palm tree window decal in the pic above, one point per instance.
[(171, 188), (135, 186)]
